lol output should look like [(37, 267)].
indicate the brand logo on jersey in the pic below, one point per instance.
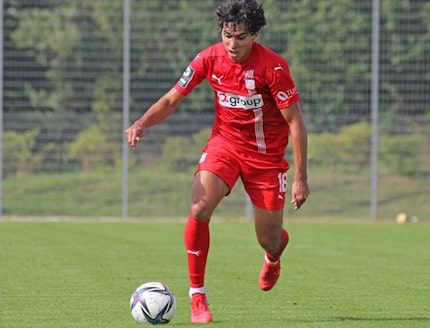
[(218, 78), (278, 68), (284, 95), (186, 77), (196, 253), (240, 102)]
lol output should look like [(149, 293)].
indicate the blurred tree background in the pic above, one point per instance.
[(63, 80)]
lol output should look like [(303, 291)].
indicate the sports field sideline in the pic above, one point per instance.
[(81, 273)]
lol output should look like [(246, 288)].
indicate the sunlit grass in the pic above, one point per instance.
[(81, 274)]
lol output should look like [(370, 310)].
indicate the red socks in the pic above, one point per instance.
[(284, 242), (197, 238)]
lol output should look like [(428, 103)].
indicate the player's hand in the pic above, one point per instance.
[(134, 133), (299, 193)]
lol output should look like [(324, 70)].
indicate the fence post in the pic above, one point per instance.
[(1, 107), (125, 104), (374, 102)]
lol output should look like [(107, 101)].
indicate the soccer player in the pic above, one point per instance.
[(256, 111)]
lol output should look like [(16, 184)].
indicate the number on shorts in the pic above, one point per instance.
[(283, 181)]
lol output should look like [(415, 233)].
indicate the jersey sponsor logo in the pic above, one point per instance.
[(284, 95), (186, 77), (231, 100)]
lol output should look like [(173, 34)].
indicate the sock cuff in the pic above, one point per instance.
[(268, 261), (197, 221), (200, 290)]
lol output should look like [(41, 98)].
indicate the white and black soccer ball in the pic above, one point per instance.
[(153, 302)]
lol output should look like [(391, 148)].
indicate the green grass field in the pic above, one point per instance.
[(81, 274)]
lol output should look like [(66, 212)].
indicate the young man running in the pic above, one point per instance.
[(256, 111)]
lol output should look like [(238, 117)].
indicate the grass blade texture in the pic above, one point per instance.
[(81, 274)]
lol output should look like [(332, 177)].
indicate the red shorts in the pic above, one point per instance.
[(264, 177)]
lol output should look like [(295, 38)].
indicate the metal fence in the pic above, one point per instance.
[(76, 72)]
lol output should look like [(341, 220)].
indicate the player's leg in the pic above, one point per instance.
[(216, 174), (266, 186), (208, 190), (268, 229), (273, 238)]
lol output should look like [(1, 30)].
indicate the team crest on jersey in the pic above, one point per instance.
[(250, 82), (186, 77)]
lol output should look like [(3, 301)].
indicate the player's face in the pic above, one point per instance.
[(237, 41)]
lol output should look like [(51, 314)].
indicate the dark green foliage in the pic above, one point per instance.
[(349, 151), (346, 151), (18, 149), (92, 150), (183, 153), (77, 47), (400, 154)]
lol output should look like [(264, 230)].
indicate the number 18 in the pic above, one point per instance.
[(283, 181)]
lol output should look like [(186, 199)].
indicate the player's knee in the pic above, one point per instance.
[(201, 210)]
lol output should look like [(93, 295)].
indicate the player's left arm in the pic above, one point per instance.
[(299, 140)]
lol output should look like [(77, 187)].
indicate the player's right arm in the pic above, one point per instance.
[(157, 113)]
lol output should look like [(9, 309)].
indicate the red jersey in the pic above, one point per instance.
[(248, 96)]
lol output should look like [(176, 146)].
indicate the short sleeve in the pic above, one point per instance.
[(192, 76), (282, 86)]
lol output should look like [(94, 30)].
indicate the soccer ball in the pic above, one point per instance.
[(153, 302)]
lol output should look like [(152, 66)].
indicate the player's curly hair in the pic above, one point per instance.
[(236, 12)]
